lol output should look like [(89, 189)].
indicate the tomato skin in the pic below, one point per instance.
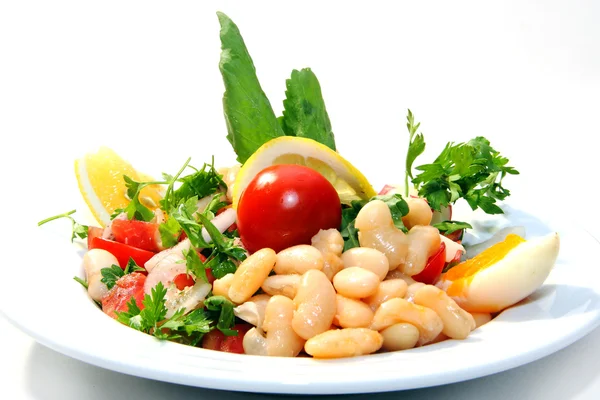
[(183, 280), (126, 287), (286, 205), (122, 251), (216, 340), (433, 268), (93, 232), (140, 234)]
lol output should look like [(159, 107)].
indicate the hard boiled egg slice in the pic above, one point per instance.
[(502, 275)]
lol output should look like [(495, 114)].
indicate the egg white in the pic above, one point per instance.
[(510, 280)]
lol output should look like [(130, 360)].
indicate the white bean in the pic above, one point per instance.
[(94, 261), (315, 305), (355, 282), (285, 285), (457, 322), (400, 336), (329, 241), (352, 313), (348, 342), (251, 274), (298, 259), (282, 341), (397, 310), (364, 257), (387, 290)]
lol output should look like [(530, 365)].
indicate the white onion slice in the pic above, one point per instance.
[(451, 248), (168, 256), (188, 298), (221, 222)]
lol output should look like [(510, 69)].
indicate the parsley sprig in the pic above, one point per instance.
[(112, 274), (78, 230), (473, 170), (186, 327)]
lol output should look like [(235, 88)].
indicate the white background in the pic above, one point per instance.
[(142, 77)]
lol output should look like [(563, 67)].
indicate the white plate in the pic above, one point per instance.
[(56, 311)]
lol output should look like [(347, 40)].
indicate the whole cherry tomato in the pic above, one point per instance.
[(286, 205)]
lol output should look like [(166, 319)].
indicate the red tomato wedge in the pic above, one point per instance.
[(128, 286), (216, 340), (122, 251), (140, 234), (93, 232), (433, 268)]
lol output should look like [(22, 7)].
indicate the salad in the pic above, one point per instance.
[(292, 252)]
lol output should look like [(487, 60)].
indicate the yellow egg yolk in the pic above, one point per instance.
[(462, 274)]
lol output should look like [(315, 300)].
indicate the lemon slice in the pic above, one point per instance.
[(100, 179), (349, 182)]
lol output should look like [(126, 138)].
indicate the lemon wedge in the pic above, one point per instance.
[(100, 179), (348, 181)]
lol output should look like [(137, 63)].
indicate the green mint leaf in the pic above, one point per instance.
[(226, 317), (249, 116), (111, 275), (448, 227), (304, 112)]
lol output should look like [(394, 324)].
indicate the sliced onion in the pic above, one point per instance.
[(451, 248), (498, 237), (221, 222), (168, 256), (188, 298)]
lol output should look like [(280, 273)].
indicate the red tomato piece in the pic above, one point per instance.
[(456, 236), (126, 287), (433, 268), (122, 251), (286, 205), (140, 234), (93, 232), (216, 340), (183, 280)]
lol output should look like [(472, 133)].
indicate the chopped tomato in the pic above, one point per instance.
[(216, 340), (183, 280), (122, 251), (93, 232), (126, 287), (433, 268), (455, 236), (140, 234)]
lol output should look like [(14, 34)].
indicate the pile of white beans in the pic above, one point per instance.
[(328, 303)]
